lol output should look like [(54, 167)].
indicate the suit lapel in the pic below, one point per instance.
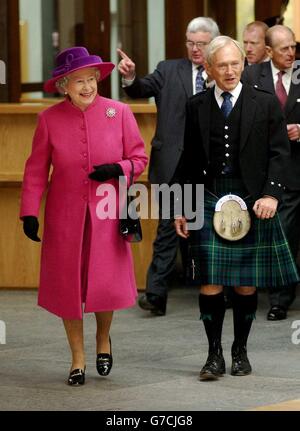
[(204, 112), (248, 113), (185, 75), (266, 77)]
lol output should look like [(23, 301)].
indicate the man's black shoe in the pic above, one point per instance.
[(277, 312), (153, 303), (214, 367), (240, 362)]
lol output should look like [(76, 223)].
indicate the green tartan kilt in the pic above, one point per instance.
[(262, 258)]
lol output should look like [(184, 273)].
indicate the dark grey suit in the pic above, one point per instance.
[(260, 75), (171, 85)]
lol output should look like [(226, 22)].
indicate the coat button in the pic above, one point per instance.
[(85, 155)]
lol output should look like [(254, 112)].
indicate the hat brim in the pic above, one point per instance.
[(104, 68)]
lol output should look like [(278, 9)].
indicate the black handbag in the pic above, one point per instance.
[(130, 224)]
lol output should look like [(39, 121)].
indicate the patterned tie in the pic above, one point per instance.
[(280, 90), (199, 80), (226, 107)]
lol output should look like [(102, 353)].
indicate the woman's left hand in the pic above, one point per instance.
[(106, 172)]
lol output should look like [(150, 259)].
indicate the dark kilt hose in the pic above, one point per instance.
[(262, 258), (244, 153)]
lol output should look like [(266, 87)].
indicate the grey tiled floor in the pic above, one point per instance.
[(156, 360)]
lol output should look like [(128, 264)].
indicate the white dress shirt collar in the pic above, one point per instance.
[(275, 70), (286, 77), (235, 94)]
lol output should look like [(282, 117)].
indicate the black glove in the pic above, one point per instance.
[(106, 172), (31, 227)]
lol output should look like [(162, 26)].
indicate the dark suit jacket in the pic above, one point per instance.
[(171, 85), (260, 75), (264, 144)]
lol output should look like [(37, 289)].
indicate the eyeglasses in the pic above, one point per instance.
[(198, 45)]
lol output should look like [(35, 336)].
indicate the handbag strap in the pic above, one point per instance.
[(131, 173)]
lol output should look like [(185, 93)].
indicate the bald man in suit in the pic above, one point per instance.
[(280, 76)]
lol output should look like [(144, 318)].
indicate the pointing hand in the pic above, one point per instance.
[(126, 66)]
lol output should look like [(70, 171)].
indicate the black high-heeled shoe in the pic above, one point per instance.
[(77, 377), (104, 362)]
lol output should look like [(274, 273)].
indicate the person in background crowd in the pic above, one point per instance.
[(280, 77), (172, 83), (254, 42)]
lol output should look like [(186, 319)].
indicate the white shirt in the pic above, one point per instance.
[(286, 77), (127, 82), (235, 94), (286, 81)]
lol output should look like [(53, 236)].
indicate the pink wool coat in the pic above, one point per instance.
[(72, 142)]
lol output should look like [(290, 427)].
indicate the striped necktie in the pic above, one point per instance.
[(199, 80), (280, 90)]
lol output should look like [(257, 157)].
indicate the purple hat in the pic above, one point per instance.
[(75, 58)]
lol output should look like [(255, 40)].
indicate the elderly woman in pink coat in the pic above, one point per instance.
[(86, 266)]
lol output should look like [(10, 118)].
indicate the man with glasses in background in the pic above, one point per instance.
[(171, 84)]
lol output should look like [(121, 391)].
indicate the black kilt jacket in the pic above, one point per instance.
[(264, 145)]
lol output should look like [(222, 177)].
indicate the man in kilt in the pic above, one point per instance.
[(235, 143)]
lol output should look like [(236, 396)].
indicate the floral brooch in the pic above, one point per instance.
[(110, 112)]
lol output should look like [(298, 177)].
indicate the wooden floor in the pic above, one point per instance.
[(291, 405)]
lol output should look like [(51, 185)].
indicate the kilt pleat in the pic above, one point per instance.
[(262, 258)]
